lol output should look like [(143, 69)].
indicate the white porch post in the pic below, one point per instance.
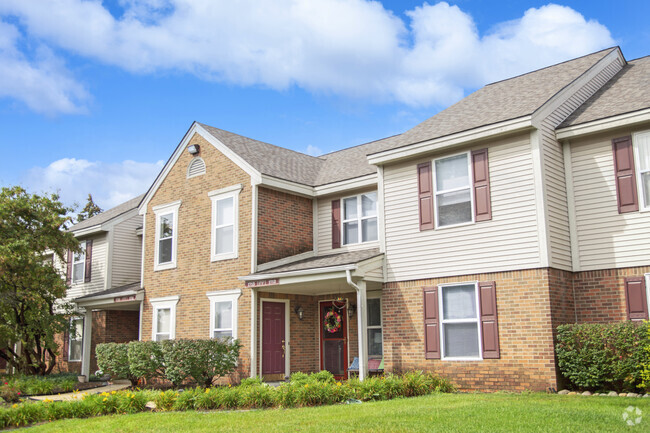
[(362, 330), (85, 352), (253, 332)]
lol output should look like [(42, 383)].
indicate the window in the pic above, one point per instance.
[(79, 264), (642, 154), (453, 192), (166, 235), (76, 339), (223, 313), (225, 207), (164, 318), (375, 338), (460, 321), (360, 218)]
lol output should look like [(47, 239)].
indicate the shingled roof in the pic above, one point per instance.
[(108, 214)]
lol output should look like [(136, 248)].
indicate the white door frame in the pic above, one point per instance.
[(287, 339)]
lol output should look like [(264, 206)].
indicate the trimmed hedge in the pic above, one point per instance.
[(603, 356), (302, 390)]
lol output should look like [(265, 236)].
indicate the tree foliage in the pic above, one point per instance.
[(90, 210), (31, 288)]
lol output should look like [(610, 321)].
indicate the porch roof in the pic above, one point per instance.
[(126, 297), (324, 261)]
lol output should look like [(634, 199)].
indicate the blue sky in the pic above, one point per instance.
[(94, 96)]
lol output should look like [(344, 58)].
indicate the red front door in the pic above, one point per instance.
[(273, 338), (333, 344)]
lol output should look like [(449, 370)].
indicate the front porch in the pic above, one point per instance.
[(290, 307)]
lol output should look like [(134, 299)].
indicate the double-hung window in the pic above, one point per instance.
[(79, 264), (642, 154), (164, 318), (225, 211), (223, 313), (75, 344), (166, 235), (375, 339), (453, 190), (459, 315), (360, 218)]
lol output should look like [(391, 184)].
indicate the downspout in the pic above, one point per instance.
[(361, 329)]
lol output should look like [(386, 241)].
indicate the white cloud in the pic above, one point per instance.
[(313, 150), (109, 183), (354, 48)]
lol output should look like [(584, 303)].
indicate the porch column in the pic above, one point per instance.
[(85, 351), (362, 330), (254, 298)]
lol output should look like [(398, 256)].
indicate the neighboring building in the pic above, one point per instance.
[(103, 280)]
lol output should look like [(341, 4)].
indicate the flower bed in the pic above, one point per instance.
[(12, 388)]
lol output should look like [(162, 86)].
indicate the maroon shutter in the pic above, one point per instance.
[(336, 223), (635, 298), (489, 324), (626, 195), (425, 196), (481, 175), (68, 275), (89, 260), (431, 325)]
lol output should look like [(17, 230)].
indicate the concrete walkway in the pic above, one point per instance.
[(114, 386)]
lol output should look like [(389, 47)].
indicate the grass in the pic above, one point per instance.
[(433, 413)]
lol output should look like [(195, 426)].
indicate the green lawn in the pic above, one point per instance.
[(433, 413)]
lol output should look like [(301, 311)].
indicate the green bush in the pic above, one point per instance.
[(603, 356), (113, 358), (645, 374), (202, 360), (146, 359)]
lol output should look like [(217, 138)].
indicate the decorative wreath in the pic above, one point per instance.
[(332, 321)]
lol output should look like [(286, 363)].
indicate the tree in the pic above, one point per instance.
[(31, 288), (90, 210)]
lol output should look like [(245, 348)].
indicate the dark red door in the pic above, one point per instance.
[(273, 338), (334, 345)]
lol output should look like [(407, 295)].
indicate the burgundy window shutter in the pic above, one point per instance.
[(489, 322), (481, 175), (89, 260), (336, 223), (431, 324), (626, 194), (635, 298), (68, 275), (425, 196)]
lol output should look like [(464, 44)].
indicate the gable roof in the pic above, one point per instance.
[(107, 215), (627, 92)]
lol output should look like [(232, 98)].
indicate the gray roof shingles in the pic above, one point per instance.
[(325, 261), (108, 214), (131, 286)]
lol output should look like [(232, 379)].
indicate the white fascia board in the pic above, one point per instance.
[(198, 129), (284, 185), (278, 275), (369, 265), (347, 185), (595, 126), (461, 138), (88, 231)]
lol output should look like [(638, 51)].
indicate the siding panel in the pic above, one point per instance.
[(127, 252), (100, 250)]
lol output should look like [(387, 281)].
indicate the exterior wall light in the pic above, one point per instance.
[(300, 312), (351, 310), (193, 149)]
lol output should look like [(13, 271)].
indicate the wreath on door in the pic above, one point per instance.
[(332, 321)]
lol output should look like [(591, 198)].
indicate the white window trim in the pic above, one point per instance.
[(443, 322), (223, 296), (160, 211), (82, 245), (81, 338), (220, 194), (436, 192), (376, 295), (168, 302), (643, 206), (359, 218)]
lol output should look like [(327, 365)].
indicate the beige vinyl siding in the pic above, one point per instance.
[(553, 162), (509, 241), (325, 226), (127, 252), (98, 272), (606, 239)]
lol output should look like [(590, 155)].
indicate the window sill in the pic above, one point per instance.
[(220, 257), (461, 359), (164, 266), (376, 241), (451, 226)]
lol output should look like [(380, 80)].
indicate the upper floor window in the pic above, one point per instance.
[(166, 235), (79, 264), (75, 345), (453, 190), (225, 212), (164, 318), (642, 152), (360, 218)]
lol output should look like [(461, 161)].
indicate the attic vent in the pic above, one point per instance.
[(196, 167)]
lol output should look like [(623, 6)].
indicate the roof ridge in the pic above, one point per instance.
[(359, 145)]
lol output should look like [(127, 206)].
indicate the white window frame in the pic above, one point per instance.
[(224, 296), (79, 338), (477, 320), (359, 218), (216, 196), (168, 302), (82, 245), (369, 296), (436, 192), (159, 211), (643, 206)]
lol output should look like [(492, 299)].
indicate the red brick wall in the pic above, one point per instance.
[(285, 225)]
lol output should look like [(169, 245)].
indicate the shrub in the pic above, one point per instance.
[(146, 359), (645, 374), (202, 360), (602, 356), (113, 358)]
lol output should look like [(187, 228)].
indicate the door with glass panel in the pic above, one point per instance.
[(334, 346)]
